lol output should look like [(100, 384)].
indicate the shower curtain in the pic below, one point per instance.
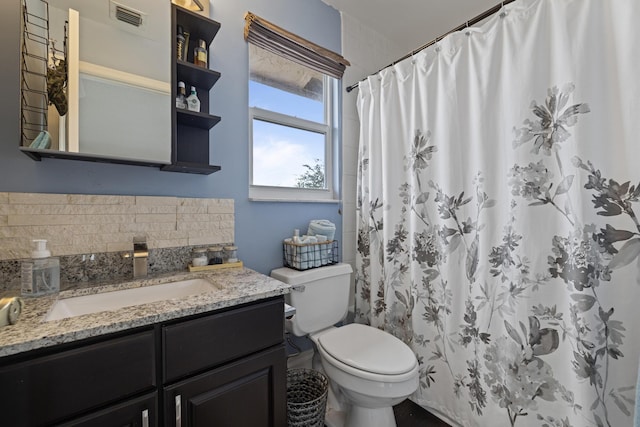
[(498, 204)]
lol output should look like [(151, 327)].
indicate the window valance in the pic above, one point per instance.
[(273, 38)]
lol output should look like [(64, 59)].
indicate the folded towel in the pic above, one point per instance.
[(42, 141), (323, 227), (308, 240)]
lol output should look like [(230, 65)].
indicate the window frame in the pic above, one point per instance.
[(329, 129)]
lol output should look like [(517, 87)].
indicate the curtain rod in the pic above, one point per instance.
[(472, 21)]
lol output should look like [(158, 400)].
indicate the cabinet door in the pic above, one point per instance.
[(249, 393), (140, 412), (57, 387)]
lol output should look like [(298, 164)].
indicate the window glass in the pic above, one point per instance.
[(284, 156), (273, 99), (281, 85), (290, 111)]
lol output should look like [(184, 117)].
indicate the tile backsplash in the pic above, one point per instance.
[(76, 224), (92, 233)]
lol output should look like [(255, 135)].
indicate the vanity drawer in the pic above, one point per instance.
[(54, 387), (209, 341)]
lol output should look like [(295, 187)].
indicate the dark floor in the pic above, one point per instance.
[(408, 414)]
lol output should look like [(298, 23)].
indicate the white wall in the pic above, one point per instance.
[(367, 51)]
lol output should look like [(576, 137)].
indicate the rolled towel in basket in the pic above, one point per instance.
[(323, 227)]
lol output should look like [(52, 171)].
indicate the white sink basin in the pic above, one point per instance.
[(109, 301)]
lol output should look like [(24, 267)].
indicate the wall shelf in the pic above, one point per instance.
[(190, 130), (196, 119), (39, 154), (192, 73), (188, 167), (199, 26)]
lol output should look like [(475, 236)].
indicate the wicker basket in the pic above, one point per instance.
[(306, 398), (310, 255)]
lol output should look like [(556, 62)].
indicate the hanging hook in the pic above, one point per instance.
[(52, 52)]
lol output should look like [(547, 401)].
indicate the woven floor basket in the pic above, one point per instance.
[(306, 398)]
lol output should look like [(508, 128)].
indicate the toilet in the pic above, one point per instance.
[(369, 370)]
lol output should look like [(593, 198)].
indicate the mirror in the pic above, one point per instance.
[(113, 98)]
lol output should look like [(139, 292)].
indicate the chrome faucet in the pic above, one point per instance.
[(140, 256)]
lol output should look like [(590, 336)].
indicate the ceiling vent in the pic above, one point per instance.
[(126, 14)]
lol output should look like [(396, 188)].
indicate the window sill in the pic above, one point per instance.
[(297, 195), (257, 199)]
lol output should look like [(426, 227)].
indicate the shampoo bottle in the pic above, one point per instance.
[(41, 274)]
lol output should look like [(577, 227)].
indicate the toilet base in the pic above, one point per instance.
[(370, 417), (333, 418), (360, 417)]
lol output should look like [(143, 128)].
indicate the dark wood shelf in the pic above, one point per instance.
[(198, 26), (190, 73), (189, 167), (196, 119), (191, 136), (39, 154)]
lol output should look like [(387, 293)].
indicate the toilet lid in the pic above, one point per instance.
[(368, 349)]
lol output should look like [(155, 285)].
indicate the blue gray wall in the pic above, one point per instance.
[(260, 226)]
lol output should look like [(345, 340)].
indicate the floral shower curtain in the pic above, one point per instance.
[(498, 203)]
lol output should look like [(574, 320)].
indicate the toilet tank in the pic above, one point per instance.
[(320, 296)]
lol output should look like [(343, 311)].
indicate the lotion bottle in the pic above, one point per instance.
[(193, 103), (41, 274)]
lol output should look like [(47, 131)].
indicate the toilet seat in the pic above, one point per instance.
[(368, 352)]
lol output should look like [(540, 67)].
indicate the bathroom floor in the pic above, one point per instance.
[(408, 414)]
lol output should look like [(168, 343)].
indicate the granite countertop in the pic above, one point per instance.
[(236, 286)]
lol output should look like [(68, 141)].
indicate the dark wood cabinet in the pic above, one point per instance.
[(190, 143), (227, 369), (227, 366), (50, 388), (196, 345), (248, 393), (137, 412)]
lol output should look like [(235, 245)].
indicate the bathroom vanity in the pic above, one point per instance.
[(211, 359)]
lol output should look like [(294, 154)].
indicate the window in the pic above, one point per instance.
[(291, 130), (292, 112)]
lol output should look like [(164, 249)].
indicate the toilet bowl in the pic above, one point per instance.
[(371, 369)]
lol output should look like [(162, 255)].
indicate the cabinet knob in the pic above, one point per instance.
[(145, 418), (178, 411)]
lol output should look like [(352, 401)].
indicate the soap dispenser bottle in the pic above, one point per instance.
[(41, 274)]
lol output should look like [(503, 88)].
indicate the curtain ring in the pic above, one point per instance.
[(503, 12)]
